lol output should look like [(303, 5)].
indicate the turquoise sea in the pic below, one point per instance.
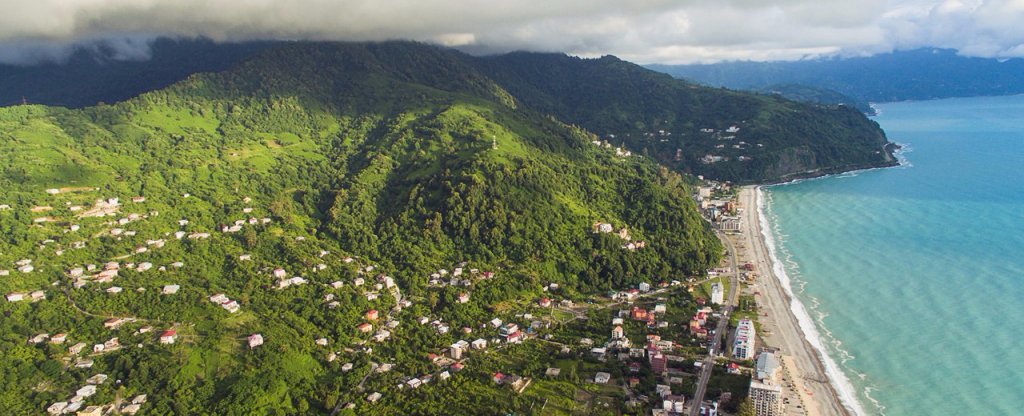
[(915, 275)]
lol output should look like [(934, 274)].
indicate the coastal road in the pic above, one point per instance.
[(780, 327), (709, 361)]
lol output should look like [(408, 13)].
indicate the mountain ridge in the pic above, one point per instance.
[(918, 74)]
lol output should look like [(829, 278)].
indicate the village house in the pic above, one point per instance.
[(114, 323), (59, 338), (77, 348), (372, 315), (255, 340), (97, 379), (168, 337), (508, 329), (544, 302), (130, 409), (455, 351), (602, 378), (230, 306), (618, 332), (463, 297), (170, 289), (365, 327), (639, 314), (91, 411), (57, 408), (15, 297), (479, 344)]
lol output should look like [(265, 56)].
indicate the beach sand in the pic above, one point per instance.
[(780, 328)]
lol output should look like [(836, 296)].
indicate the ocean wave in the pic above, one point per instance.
[(844, 389), (901, 155)]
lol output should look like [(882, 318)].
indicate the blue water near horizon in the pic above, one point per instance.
[(915, 274)]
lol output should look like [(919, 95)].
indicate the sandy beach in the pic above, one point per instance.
[(804, 372)]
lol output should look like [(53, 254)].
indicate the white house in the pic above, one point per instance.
[(255, 340)]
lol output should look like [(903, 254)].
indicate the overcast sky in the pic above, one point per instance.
[(642, 31)]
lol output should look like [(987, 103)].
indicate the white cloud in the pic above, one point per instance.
[(641, 30)]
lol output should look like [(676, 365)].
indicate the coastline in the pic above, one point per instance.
[(817, 379)]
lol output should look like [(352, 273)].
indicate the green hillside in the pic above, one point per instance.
[(336, 163), (687, 126)]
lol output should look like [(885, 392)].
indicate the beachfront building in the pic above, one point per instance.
[(766, 398), (765, 391), (717, 294), (730, 224), (743, 348)]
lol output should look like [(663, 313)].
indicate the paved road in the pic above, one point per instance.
[(709, 361)]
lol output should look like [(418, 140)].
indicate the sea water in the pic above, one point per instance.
[(914, 275)]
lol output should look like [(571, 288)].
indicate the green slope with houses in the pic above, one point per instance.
[(292, 195)]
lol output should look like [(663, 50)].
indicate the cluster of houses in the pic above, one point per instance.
[(76, 402), (33, 296), (619, 151), (517, 383), (221, 299), (459, 276), (284, 281), (623, 233), (239, 224), (722, 213), (698, 322), (726, 134), (655, 353)]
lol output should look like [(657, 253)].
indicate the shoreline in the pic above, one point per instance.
[(823, 388)]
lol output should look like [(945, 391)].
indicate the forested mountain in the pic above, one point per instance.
[(919, 74), (334, 163), (718, 133), (681, 125), (817, 95)]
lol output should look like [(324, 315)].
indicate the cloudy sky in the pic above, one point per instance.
[(643, 31)]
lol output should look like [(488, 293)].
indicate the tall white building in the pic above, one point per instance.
[(766, 398), (765, 392), (744, 346), (717, 294)]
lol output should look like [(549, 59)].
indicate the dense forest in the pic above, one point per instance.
[(721, 134), (340, 165)]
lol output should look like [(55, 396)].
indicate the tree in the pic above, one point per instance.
[(747, 408)]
